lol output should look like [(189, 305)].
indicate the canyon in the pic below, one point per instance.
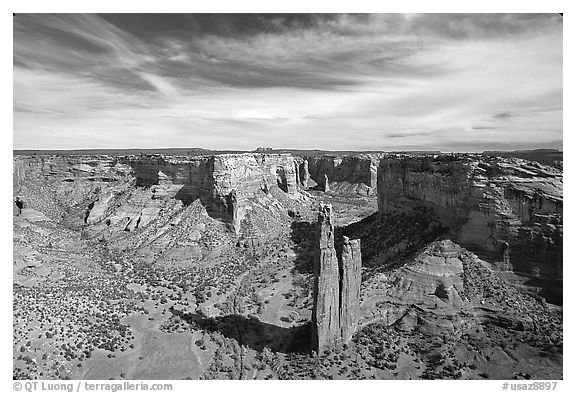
[(286, 265), (506, 210)]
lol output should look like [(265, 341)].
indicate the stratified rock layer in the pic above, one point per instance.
[(354, 174), (95, 189), (444, 290), (508, 211)]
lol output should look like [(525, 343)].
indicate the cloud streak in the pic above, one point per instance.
[(383, 81)]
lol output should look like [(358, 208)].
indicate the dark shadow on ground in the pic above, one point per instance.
[(383, 238), (253, 332), (549, 289), (388, 240)]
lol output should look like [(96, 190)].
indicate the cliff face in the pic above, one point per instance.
[(192, 174), (101, 187), (346, 174), (279, 169), (444, 290), (63, 188), (336, 295), (246, 175), (508, 211)]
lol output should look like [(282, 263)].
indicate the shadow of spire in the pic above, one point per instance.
[(252, 332)]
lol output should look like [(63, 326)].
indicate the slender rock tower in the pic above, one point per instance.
[(336, 300), (326, 185), (350, 279), (304, 174), (233, 212), (326, 310), (297, 172)]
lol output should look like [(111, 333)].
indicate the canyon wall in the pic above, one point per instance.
[(94, 185), (346, 174), (63, 188), (245, 175), (508, 211)]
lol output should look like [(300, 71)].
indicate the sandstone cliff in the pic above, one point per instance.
[(508, 211), (130, 191), (63, 188), (444, 290)]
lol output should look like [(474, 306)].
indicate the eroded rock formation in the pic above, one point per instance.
[(95, 189), (355, 174), (446, 289), (336, 293), (508, 211), (304, 174), (326, 184), (350, 279), (326, 309), (233, 212)]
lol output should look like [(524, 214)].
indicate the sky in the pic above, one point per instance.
[(449, 82)]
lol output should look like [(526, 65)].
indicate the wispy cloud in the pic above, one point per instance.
[(448, 82)]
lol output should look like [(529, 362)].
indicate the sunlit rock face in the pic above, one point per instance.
[(350, 279), (279, 169), (63, 188), (130, 191), (336, 293), (446, 289), (508, 211), (326, 310)]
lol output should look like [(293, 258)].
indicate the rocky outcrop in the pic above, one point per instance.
[(326, 310), (97, 187), (325, 184), (279, 169), (304, 174), (336, 292), (247, 175), (508, 211), (444, 289), (233, 212), (355, 174), (350, 279), (63, 187)]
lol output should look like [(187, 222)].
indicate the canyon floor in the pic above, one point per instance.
[(184, 298)]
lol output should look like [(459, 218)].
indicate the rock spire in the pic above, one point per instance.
[(336, 296)]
